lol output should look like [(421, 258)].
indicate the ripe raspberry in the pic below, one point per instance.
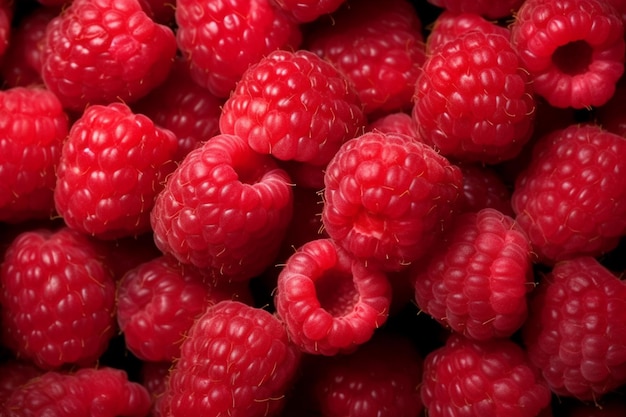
[(304, 11), (33, 127), (14, 374), (483, 187), (473, 99), (576, 331), (108, 178), (571, 199), (58, 300), (387, 198), (379, 49), (236, 361), (87, 392), (395, 123), (221, 39), (329, 301), (573, 49), (225, 207), (492, 9), (475, 379), (294, 106), (104, 51), (158, 301), (478, 277)]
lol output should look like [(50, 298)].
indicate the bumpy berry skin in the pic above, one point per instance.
[(104, 392), (483, 187), (574, 49), (14, 374), (398, 122), (478, 277), (473, 99), (294, 106), (104, 51), (307, 10), (236, 361), (493, 9), (465, 378), (571, 199), (576, 331), (241, 33), (225, 207), (108, 178), (330, 302), (33, 126), (379, 49), (387, 198), (58, 299)]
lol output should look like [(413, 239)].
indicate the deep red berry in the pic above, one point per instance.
[(14, 374), (388, 197), (573, 49), (395, 123), (236, 361), (483, 187), (493, 9), (329, 301), (307, 10), (225, 207)]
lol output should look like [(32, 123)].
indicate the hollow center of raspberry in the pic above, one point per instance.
[(573, 58), (336, 293)]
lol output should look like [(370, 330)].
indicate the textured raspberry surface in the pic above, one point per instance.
[(576, 330), (398, 122), (236, 361), (483, 187), (493, 9), (58, 299), (14, 374), (475, 379), (379, 49), (305, 11), (329, 302), (571, 199), (107, 179), (240, 34), (478, 276), (103, 51), (225, 207), (574, 49), (387, 198), (474, 100), (294, 106), (33, 127)]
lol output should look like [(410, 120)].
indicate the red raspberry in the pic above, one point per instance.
[(159, 300), (236, 361), (330, 302), (483, 187), (222, 38), (14, 374), (33, 127), (225, 207), (305, 11), (395, 123), (571, 199), (100, 392), (576, 331), (294, 106), (379, 49), (473, 99), (478, 277), (387, 198), (108, 178), (58, 300), (573, 49), (492, 9), (103, 51), (464, 378)]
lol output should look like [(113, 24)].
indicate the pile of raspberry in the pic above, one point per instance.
[(318, 208)]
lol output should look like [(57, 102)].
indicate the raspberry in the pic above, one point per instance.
[(225, 207), (473, 99), (571, 199), (329, 302), (477, 278), (387, 198), (576, 332), (221, 39), (308, 10), (33, 127), (103, 51), (108, 179), (492, 9), (236, 361), (158, 301), (490, 378), (394, 123), (58, 300), (14, 374), (573, 49), (484, 188), (379, 50), (102, 392), (294, 106)]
